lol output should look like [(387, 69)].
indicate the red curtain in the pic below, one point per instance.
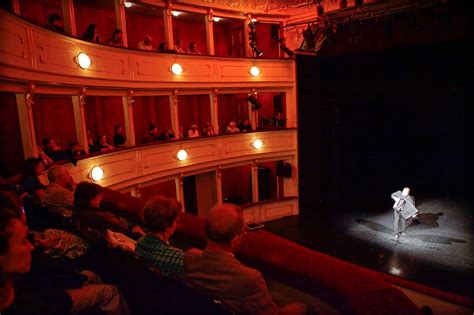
[(193, 109), (103, 114), (265, 42), (229, 38), (237, 184), (190, 27), (88, 12), (38, 11), (149, 110), (139, 25), (232, 107)]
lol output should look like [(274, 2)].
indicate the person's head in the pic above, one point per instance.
[(15, 249), (49, 143), (102, 138), (245, 122), (153, 129), (119, 130), (192, 46), (163, 47), (87, 195), (179, 43), (224, 224), (118, 34), (147, 40), (90, 32), (194, 127), (76, 146), (59, 174), (405, 191), (160, 214), (55, 20), (33, 167), (232, 124)]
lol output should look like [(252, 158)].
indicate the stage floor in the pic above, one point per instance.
[(437, 250)]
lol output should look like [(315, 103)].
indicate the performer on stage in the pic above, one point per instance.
[(403, 209)]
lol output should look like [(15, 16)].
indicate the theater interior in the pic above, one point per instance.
[(348, 101)]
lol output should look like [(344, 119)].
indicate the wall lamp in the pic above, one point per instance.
[(97, 173), (255, 71), (176, 69), (182, 155), (175, 13), (83, 60), (257, 144)]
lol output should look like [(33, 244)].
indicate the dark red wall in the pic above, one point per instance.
[(229, 38), (232, 107), (151, 110), (103, 114), (103, 17), (236, 184), (11, 159), (193, 109), (190, 31), (139, 25), (167, 189), (265, 42), (38, 11)]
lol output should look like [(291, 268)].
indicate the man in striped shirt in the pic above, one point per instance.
[(160, 215)]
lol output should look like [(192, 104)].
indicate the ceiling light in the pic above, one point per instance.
[(216, 19), (182, 155), (255, 71), (83, 61), (176, 69), (257, 144), (127, 4), (253, 20), (175, 13), (97, 173)]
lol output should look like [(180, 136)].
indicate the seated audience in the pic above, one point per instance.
[(278, 121), (53, 150), (34, 284), (181, 132), (59, 194), (87, 198), (193, 50), (232, 128), (44, 157), (91, 34), (90, 140), (145, 44), (245, 126), (216, 269), (193, 132), (207, 130), (160, 216), (55, 23), (29, 182), (163, 48), (167, 134), (102, 144), (116, 39), (75, 150), (119, 136), (178, 47), (152, 135)]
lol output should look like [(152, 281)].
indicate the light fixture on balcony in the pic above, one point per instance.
[(175, 13), (216, 19), (257, 144), (83, 60), (97, 173), (127, 4), (182, 155), (255, 71), (176, 69), (254, 20)]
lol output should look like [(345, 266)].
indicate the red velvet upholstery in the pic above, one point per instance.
[(349, 288)]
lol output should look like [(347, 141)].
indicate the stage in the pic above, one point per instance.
[(436, 250)]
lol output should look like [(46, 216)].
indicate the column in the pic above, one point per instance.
[(219, 185), (291, 108), (128, 102), (180, 190), (69, 17), (214, 112), (78, 102), (121, 20), (24, 102), (174, 114), (253, 114), (210, 32), (168, 25), (16, 6), (254, 182)]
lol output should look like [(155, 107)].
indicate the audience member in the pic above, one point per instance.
[(216, 269), (59, 194), (178, 47), (44, 157), (152, 134), (34, 284), (193, 132), (207, 130), (245, 126), (163, 48), (160, 216), (91, 34), (167, 134), (145, 44), (193, 50), (102, 144), (278, 121), (232, 128), (90, 139), (29, 181), (119, 136), (87, 198), (75, 150), (53, 150), (181, 132), (116, 39), (55, 23)]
